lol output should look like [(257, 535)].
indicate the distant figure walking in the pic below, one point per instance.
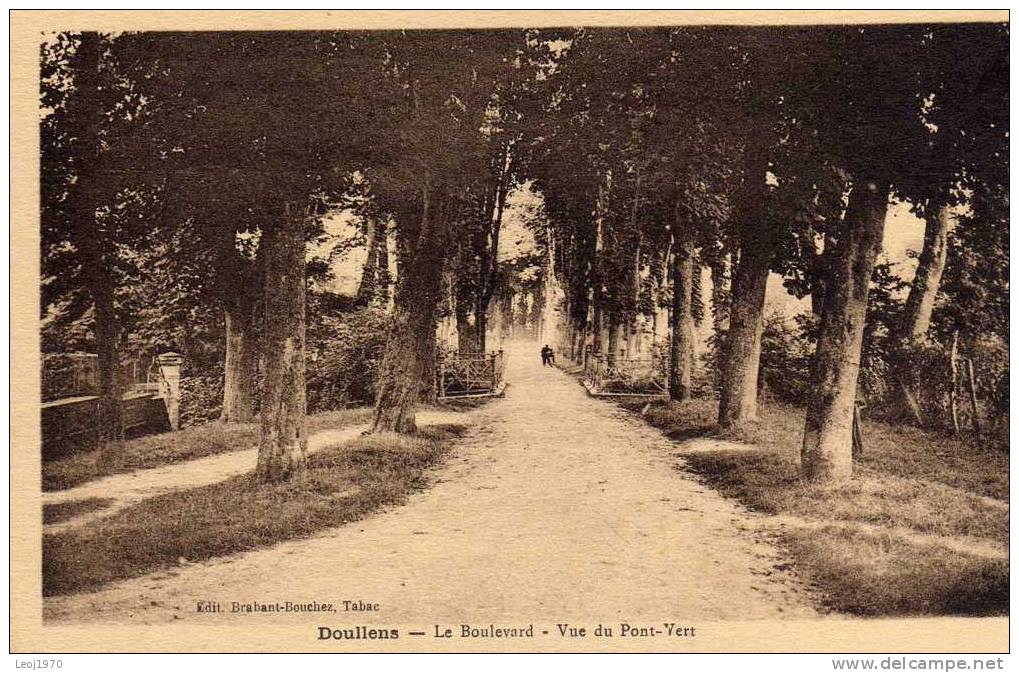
[(547, 356)]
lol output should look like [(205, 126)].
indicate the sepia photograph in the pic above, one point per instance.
[(510, 332)]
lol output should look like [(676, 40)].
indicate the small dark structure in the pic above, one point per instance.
[(68, 425), (68, 414)]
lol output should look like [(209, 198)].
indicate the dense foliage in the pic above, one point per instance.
[(187, 176)]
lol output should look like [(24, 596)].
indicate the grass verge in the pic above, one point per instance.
[(343, 484), (174, 447), (62, 511), (922, 528)]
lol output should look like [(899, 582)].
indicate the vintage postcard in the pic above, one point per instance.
[(558, 331)]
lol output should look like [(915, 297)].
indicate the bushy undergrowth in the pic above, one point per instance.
[(786, 347), (64, 375), (785, 360), (348, 351), (887, 372), (344, 353), (201, 396)]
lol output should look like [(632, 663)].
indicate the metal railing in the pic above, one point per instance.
[(470, 374), (619, 374), (66, 375)]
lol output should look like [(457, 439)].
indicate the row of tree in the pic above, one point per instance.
[(184, 176), (776, 150), (210, 159)]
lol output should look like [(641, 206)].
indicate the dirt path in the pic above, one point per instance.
[(131, 487), (553, 506)]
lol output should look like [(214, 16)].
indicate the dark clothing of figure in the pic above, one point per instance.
[(546, 357)]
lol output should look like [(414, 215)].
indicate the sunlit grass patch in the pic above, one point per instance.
[(166, 448), (342, 484), (883, 573), (908, 483)]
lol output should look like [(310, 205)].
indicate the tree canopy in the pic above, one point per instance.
[(184, 174)]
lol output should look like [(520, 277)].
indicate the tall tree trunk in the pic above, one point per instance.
[(580, 348), (97, 265), (240, 367), (411, 343), (282, 452), (817, 302), (596, 325), (481, 330), (109, 421), (632, 342), (98, 255), (383, 278), (428, 393), (682, 343), (366, 289), (241, 314), (815, 271), (490, 268), (596, 272), (240, 289), (612, 349), (660, 313), (953, 391), (741, 354), (719, 294), (916, 314), (466, 338), (827, 454)]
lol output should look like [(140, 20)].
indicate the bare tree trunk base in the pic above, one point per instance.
[(682, 338), (282, 451), (821, 466), (240, 373), (827, 455), (742, 347)]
